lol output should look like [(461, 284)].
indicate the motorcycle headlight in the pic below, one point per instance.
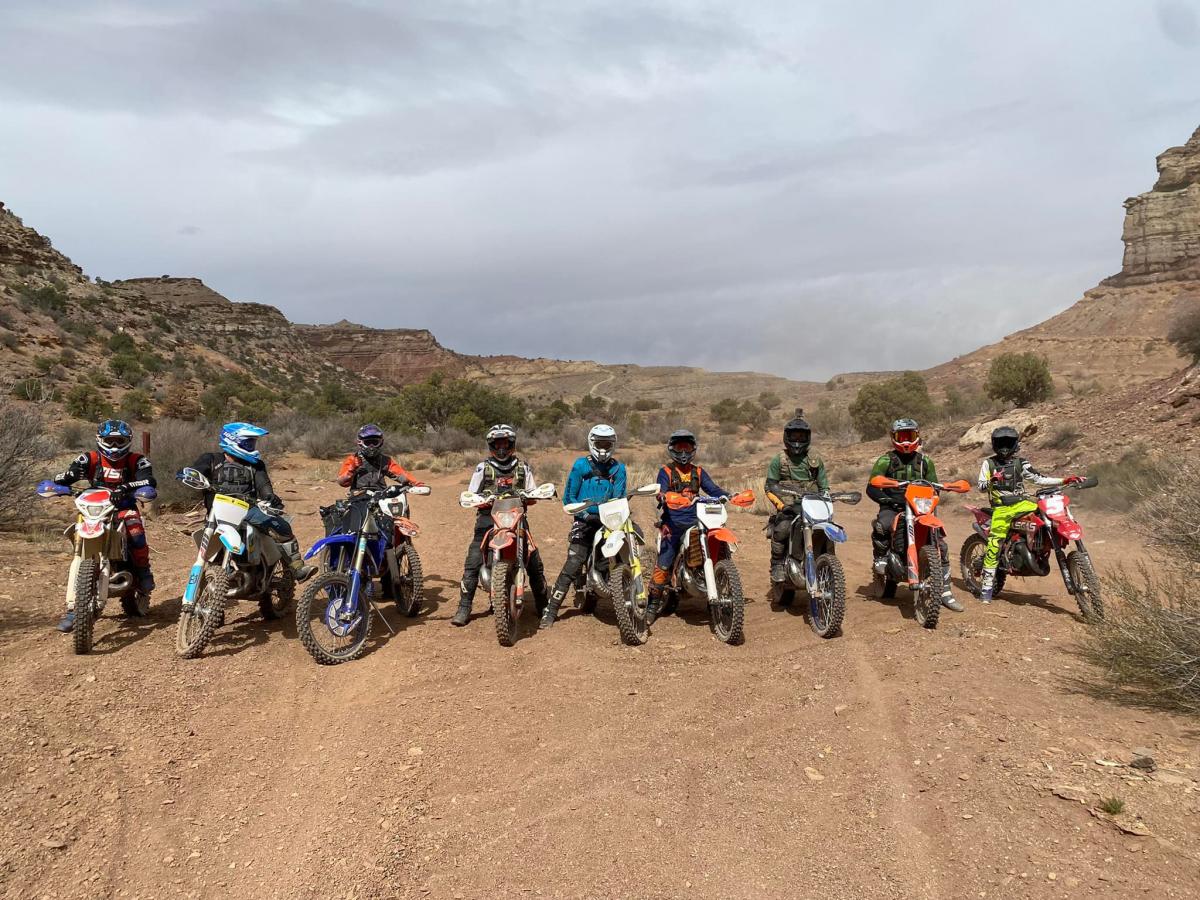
[(613, 520), (923, 505), (507, 518)]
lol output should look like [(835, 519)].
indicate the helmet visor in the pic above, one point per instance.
[(501, 446), (1004, 444), (371, 441), (906, 436), (604, 443), (248, 443), (798, 435), (115, 443)]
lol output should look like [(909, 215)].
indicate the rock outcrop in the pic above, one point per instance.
[(1162, 226), (397, 356), (24, 250)]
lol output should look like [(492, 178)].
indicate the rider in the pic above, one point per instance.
[(239, 471), (597, 476), (680, 476), (368, 468), (794, 464), (1002, 477), (501, 473), (113, 466), (904, 462)]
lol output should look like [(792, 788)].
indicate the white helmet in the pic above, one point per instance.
[(602, 441), (498, 433)]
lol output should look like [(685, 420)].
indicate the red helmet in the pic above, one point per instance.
[(906, 436)]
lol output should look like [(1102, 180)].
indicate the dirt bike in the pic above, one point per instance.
[(100, 565), (373, 539), (235, 561), (507, 547), (915, 554), (613, 570), (1031, 539), (704, 567), (811, 562)]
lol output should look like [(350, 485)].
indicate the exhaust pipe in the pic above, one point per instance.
[(119, 583)]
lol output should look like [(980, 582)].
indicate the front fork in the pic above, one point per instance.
[(193, 584), (710, 570), (1061, 557)]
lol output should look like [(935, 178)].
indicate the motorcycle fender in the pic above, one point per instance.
[(614, 543), (724, 535), (71, 578), (1068, 530), (501, 539), (229, 537), (407, 527), (393, 565), (832, 530), (90, 528), (980, 530), (929, 520), (271, 552), (485, 577), (327, 541)]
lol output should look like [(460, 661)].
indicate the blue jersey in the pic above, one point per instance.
[(590, 480)]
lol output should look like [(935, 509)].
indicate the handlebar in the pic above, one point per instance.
[(848, 497), (955, 487), (1090, 482)]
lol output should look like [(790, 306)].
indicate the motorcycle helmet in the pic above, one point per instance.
[(906, 436), (681, 446), (113, 439), (240, 440), (602, 441), (1005, 442), (502, 442), (370, 442), (797, 435)]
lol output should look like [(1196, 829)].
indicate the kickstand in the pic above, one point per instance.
[(382, 616)]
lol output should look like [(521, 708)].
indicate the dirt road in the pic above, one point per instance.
[(890, 762)]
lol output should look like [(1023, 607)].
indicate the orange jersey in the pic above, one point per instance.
[(352, 465)]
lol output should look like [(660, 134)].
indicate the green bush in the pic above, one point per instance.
[(769, 400), (1020, 378), (971, 403), (1185, 334), (24, 450), (550, 417), (137, 405), (36, 390), (233, 397), (730, 413), (591, 407), (84, 401), (120, 343), (433, 403), (880, 403), (49, 299), (44, 364), (645, 404), (126, 367)]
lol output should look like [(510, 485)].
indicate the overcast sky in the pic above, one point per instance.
[(798, 188)]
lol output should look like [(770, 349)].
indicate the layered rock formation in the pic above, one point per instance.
[(398, 356), (24, 250)]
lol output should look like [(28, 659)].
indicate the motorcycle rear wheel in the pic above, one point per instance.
[(87, 592), (281, 592), (727, 618), (825, 614), (409, 596), (136, 603), (504, 602), (198, 622), (927, 602), (630, 612), (1087, 585), (970, 566), (322, 644)]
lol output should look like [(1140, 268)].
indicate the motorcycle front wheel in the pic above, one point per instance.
[(629, 610), (970, 566), (827, 609), (1087, 585), (330, 628), (408, 591), (87, 593), (927, 601), (198, 622), (727, 615), (505, 608)]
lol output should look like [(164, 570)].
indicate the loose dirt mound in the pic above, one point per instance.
[(890, 762)]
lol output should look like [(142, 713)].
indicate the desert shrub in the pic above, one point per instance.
[(44, 364), (152, 362), (327, 439), (591, 407), (100, 379), (162, 322), (971, 403), (233, 397), (1125, 482), (547, 418), (880, 403), (452, 440), (35, 390), (468, 421), (173, 445), (831, 423), (67, 357), (720, 451), (1020, 378), (1064, 437), (1184, 333), (121, 343), (433, 403), (736, 413), (1149, 641), (10, 341), (645, 404), (126, 367), (180, 402), (74, 435), (24, 450), (137, 405), (769, 400), (846, 476), (49, 299), (84, 401)]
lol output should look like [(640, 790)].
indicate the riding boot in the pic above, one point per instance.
[(879, 552), (987, 585), (67, 623), (302, 572), (948, 599), (778, 566), (464, 609), (145, 578), (551, 613), (654, 603)]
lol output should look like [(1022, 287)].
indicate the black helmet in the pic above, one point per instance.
[(370, 442), (681, 436), (797, 435), (1005, 442)]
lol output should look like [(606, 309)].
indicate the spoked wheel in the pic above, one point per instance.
[(927, 602), (504, 602), (198, 621), (409, 591), (1087, 585), (827, 607), (280, 595), (628, 608), (970, 566), (728, 613), (87, 593), (332, 628)]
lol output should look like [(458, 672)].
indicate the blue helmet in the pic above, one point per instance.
[(113, 438), (240, 440)]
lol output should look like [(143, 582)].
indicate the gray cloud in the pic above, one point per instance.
[(793, 187)]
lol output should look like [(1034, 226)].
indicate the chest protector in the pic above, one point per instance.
[(687, 483), (102, 473), (1007, 485), (499, 481), (901, 471), (234, 480), (370, 476)]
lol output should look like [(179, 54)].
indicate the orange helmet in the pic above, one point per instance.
[(906, 436)]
